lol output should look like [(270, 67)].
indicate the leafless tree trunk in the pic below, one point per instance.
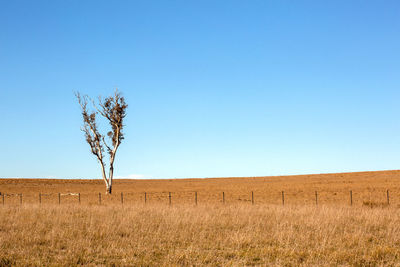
[(112, 108)]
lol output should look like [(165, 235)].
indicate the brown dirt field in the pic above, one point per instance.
[(368, 188)]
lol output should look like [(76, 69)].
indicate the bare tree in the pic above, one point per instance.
[(113, 109)]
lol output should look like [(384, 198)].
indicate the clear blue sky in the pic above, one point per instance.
[(215, 88)]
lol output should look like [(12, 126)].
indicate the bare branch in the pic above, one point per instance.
[(92, 135), (107, 146)]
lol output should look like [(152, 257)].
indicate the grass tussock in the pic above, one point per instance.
[(214, 235)]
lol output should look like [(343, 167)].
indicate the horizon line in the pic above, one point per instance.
[(219, 177)]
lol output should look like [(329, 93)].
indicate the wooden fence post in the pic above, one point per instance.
[(20, 199), (283, 198), (145, 197), (316, 198), (351, 198), (387, 196), (40, 198), (252, 198), (223, 197), (122, 198), (169, 196), (79, 198), (99, 198), (195, 197), (3, 197), (59, 198)]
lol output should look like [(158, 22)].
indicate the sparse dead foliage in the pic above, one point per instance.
[(113, 109)]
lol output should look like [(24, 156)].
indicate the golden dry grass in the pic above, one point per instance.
[(212, 233)]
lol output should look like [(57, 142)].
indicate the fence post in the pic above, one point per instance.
[(195, 197), (20, 198), (316, 198), (79, 198), (3, 197), (122, 198), (283, 198), (99, 198), (40, 198), (145, 197), (387, 196), (351, 198), (252, 198), (169, 195), (223, 197), (59, 198)]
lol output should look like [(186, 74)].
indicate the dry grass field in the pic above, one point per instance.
[(367, 188), (234, 233)]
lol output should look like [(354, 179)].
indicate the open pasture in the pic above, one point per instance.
[(206, 235), (212, 233), (368, 188)]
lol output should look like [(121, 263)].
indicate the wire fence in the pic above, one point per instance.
[(351, 198)]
